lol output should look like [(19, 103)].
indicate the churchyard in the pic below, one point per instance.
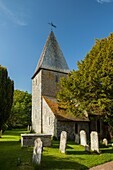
[(74, 156)]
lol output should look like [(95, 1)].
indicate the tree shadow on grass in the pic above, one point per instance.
[(76, 152), (52, 162), (107, 151)]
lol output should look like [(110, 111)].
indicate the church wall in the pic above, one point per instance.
[(70, 128), (84, 126), (49, 119), (50, 80), (66, 126), (36, 103)]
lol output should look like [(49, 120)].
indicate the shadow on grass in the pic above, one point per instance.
[(107, 151), (76, 153), (10, 151), (52, 162), (56, 144)]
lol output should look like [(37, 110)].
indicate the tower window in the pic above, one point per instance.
[(56, 78)]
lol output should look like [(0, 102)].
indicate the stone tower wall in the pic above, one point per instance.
[(36, 102), (50, 81), (43, 84)]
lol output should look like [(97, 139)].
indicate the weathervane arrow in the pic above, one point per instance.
[(52, 25)]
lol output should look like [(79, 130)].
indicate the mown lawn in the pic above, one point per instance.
[(75, 158)]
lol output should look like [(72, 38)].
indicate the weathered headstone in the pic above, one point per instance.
[(63, 141), (77, 138), (105, 142), (112, 145), (83, 138), (28, 127), (94, 141), (37, 151)]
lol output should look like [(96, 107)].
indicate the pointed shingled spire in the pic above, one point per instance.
[(52, 57)]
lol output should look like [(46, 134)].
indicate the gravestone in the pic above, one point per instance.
[(94, 141), (112, 145), (105, 142), (83, 138), (77, 138), (37, 151), (28, 127), (63, 141)]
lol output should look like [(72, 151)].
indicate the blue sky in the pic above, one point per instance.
[(24, 30)]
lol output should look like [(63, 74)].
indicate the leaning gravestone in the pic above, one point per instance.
[(63, 141), (94, 141), (37, 151), (77, 138), (83, 138), (105, 142)]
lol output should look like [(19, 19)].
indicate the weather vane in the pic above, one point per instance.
[(52, 25)]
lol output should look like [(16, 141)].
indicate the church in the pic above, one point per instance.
[(46, 116)]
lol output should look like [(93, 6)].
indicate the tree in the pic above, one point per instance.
[(6, 96), (21, 110), (90, 88)]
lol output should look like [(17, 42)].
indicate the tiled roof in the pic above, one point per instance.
[(52, 57), (61, 113)]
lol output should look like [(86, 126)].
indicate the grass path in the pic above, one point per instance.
[(75, 158)]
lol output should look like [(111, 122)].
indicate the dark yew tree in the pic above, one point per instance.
[(90, 88), (6, 96)]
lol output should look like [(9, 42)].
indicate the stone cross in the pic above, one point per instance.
[(83, 141), (63, 141), (77, 138), (105, 142), (37, 151), (94, 141)]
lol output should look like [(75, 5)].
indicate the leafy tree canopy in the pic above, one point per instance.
[(21, 110), (6, 96), (90, 88)]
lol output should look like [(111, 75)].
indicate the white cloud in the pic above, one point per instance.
[(102, 1), (11, 15)]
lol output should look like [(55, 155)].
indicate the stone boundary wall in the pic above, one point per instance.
[(28, 139)]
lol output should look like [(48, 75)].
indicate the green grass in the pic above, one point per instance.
[(75, 158)]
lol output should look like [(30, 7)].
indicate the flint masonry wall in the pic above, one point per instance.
[(50, 80), (36, 102), (49, 120), (70, 128), (43, 84)]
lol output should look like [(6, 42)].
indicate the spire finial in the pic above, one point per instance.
[(52, 25)]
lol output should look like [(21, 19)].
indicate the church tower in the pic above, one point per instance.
[(50, 68)]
